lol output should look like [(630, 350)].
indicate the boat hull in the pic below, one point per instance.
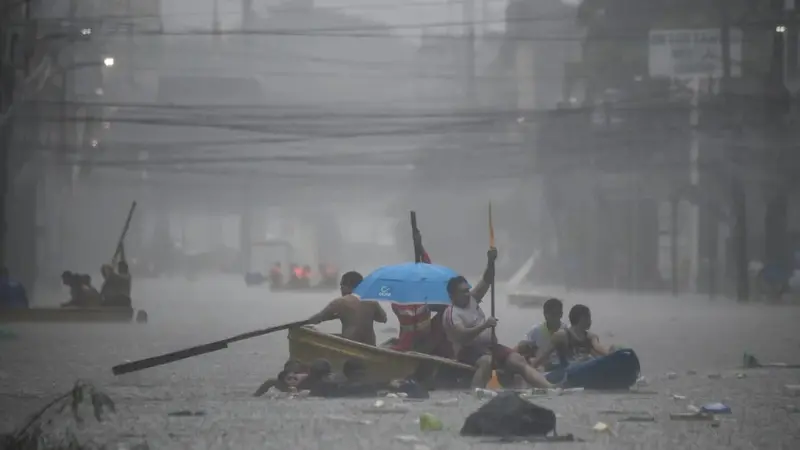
[(383, 365), (65, 315)]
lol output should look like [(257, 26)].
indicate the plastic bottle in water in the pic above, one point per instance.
[(484, 394)]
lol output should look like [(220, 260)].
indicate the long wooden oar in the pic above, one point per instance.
[(198, 350), (494, 383), (121, 241)]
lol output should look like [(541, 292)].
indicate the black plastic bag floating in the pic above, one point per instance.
[(508, 414)]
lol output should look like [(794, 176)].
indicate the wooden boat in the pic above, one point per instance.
[(65, 315), (307, 344)]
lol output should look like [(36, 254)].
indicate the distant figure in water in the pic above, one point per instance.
[(357, 316), (295, 273), (116, 289), (82, 294), (328, 275), (276, 275), (305, 276), (12, 292)]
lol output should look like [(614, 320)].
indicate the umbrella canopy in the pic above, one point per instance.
[(407, 283)]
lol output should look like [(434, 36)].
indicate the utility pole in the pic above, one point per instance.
[(469, 22), (216, 27), (247, 12), (737, 193), (777, 106)]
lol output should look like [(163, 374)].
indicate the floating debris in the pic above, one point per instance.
[(351, 420), (716, 408), (620, 412), (639, 418), (484, 394), (693, 417), (187, 413), (429, 422), (792, 389)]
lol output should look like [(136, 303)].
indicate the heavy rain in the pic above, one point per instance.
[(241, 224)]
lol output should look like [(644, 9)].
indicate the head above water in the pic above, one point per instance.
[(354, 369), (288, 378), (553, 311), (458, 290), (349, 282), (319, 369), (294, 365), (67, 277), (580, 317)]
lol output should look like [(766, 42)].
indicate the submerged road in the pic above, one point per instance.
[(680, 335)]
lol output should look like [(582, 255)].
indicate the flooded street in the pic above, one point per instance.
[(669, 335)]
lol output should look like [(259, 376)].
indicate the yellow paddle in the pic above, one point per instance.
[(493, 383)]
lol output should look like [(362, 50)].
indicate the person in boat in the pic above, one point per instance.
[(12, 292), (538, 338), (116, 288), (421, 331), (82, 294), (357, 316), (329, 274), (276, 275), (295, 273), (305, 277), (575, 343), (470, 332)]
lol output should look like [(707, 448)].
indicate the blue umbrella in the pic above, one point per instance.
[(407, 283)]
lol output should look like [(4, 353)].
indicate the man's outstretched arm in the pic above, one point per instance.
[(482, 286), (329, 312)]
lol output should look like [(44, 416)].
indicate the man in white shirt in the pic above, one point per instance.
[(537, 339), (470, 332)]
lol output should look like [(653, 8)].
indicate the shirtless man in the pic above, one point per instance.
[(575, 343), (470, 331), (357, 316)]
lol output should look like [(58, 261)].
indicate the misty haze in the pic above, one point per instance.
[(616, 181)]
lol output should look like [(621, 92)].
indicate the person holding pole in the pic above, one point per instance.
[(471, 332)]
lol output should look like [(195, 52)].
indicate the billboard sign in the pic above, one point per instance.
[(692, 53)]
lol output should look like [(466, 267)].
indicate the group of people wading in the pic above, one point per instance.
[(114, 292), (459, 331)]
